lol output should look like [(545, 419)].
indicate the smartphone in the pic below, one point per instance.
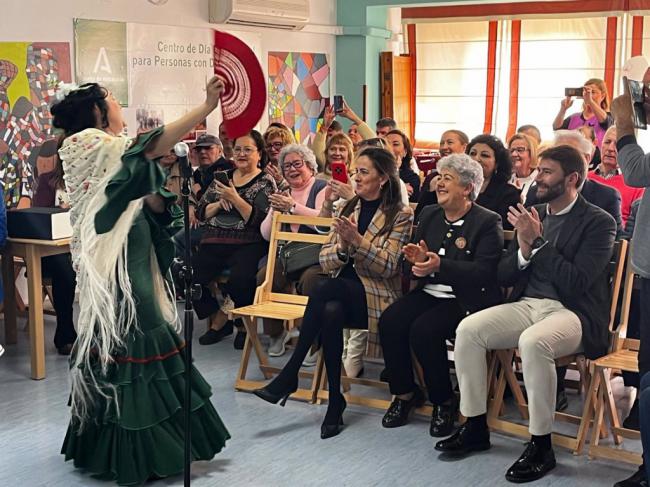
[(222, 177), (577, 92), (338, 103), (339, 172), (637, 96)]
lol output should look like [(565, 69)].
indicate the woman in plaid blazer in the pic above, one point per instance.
[(363, 259)]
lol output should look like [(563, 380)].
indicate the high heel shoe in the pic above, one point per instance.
[(273, 397), (332, 426)]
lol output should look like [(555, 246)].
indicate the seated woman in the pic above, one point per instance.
[(50, 192), (305, 198), (231, 238), (275, 139), (400, 145), (496, 194), (451, 142), (454, 260), (362, 255), (523, 152), (594, 113)]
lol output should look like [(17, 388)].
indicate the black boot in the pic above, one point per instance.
[(333, 418), (443, 417), (214, 336), (471, 436), (533, 464), (399, 410)]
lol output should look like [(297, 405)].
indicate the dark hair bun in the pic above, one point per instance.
[(76, 112)]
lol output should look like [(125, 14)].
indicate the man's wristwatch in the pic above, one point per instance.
[(538, 243)]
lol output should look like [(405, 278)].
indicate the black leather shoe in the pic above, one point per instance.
[(632, 420), (269, 395), (240, 340), (400, 409), (443, 417), (561, 401), (67, 350), (533, 464), (333, 419), (215, 336), (638, 479), (465, 440)]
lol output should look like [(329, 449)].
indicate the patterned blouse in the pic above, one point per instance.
[(230, 227)]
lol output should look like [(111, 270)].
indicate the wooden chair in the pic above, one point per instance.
[(506, 374), (624, 357), (275, 305)]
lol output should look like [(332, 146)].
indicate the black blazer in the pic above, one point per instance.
[(470, 262), (600, 195), (577, 268)]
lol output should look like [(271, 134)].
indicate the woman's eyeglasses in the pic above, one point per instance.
[(295, 164), (275, 145), (246, 150), (518, 150)]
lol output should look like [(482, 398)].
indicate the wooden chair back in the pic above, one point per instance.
[(278, 235)]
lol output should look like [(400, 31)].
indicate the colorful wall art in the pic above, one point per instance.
[(29, 73), (299, 85)]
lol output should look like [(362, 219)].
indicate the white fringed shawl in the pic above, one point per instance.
[(107, 308)]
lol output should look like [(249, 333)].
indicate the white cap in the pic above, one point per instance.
[(635, 68)]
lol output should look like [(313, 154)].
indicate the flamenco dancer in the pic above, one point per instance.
[(127, 364)]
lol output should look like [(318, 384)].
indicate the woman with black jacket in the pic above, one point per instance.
[(454, 260)]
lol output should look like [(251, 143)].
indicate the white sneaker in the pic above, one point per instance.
[(277, 344), (2, 350), (310, 359)]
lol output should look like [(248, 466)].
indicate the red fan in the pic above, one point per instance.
[(244, 98)]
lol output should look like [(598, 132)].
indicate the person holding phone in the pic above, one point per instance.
[(363, 259), (232, 210), (321, 139), (595, 110)]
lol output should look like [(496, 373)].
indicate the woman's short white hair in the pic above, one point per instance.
[(469, 171), (305, 152)]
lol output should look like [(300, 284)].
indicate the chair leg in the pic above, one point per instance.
[(610, 406), (599, 412), (587, 414)]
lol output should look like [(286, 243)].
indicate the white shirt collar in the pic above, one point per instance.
[(564, 210)]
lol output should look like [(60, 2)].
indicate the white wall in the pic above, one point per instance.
[(51, 21)]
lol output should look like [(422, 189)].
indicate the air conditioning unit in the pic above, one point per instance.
[(276, 14)]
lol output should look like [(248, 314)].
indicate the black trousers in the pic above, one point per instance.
[(422, 323), (242, 261), (333, 304), (64, 281)]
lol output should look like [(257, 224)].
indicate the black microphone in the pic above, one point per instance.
[(182, 150)]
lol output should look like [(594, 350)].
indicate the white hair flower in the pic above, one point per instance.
[(64, 89)]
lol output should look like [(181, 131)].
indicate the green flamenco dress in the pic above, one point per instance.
[(146, 439)]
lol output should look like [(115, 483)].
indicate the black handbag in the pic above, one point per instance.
[(296, 256)]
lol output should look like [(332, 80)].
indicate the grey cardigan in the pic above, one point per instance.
[(636, 172)]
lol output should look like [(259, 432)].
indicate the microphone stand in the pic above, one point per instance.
[(191, 292)]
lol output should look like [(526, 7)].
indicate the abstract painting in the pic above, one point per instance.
[(29, 74), (299, 85)]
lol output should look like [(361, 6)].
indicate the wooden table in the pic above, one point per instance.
[(31, 252)]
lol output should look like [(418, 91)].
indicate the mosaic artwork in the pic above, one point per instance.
[(299, 85), (29, 74)]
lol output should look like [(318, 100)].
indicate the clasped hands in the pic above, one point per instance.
[(424, 261), (347, 231), (282, 201), (528, 226)]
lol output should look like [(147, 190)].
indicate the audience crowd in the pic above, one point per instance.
[(442, 233)]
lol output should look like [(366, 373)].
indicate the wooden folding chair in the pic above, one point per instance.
[(508, 375), (278, 306), (624, 357)]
